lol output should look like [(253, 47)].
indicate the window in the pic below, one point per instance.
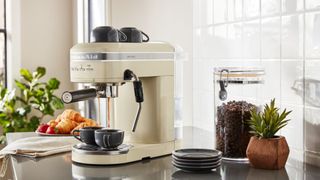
[(90, 13), (3, 42)]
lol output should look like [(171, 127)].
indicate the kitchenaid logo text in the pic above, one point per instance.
[(87, 56), (120, 56), (82, 68)]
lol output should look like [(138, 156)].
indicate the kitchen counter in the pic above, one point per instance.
[(61, 167)]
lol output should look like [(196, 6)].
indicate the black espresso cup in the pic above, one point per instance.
[(86, 135), (109, 138), (107, 34), (134, 35)]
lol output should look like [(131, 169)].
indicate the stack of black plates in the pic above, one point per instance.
[(196, 159)]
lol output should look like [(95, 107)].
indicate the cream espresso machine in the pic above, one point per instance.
[(120, 71)]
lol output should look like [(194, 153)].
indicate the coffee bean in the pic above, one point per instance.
[(232, 133)]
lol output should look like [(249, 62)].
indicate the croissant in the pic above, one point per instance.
[(52, 123), (72, 115), (65, 126), (58, 119), (88, 122)]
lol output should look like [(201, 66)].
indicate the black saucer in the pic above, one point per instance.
[(208, 160), (197, 154), (212, 163), (88, 147), (196, 168)]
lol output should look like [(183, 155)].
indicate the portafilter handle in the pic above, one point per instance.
[(78, 95)]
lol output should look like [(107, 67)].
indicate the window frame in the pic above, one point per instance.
[(4, 32)]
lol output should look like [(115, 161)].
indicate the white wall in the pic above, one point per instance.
[(280, 36), (162, 20), (41, 34)]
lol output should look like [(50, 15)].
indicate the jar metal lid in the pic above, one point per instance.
[(239, 75)]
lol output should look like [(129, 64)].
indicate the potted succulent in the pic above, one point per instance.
[(24, 111), (266, 150)]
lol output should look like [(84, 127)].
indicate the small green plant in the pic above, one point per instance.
[(24, 112), (267, 123)]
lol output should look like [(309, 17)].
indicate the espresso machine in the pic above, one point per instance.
[(139, 79)]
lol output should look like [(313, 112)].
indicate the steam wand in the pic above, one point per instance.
[(138, 92)]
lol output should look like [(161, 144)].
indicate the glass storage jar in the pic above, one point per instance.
[(236, 92)]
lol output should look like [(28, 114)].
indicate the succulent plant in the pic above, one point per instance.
[(267, 123)]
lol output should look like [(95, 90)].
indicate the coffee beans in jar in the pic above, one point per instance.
[(232, 131)]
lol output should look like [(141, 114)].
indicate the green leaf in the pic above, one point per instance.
[(40, 72), (57, 103), (34, 123), (26, 94), (28, 109), (26, 75), (39, 92), (47, 109), (272, 104), (53, 84), (21, 85), (3, 92)]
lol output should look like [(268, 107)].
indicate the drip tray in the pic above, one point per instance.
[(127, 152), (90, 149)]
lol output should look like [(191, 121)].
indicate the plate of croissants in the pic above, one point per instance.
[(65, 124)]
